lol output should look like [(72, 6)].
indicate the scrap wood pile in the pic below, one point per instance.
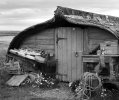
[(40, 80), (32, 79), (21, 77), (30, 59), (38, 55)]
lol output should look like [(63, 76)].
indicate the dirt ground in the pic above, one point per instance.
[(61, 92)]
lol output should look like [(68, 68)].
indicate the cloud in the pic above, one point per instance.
[(111, 4), (12, 27), (12, 24), (113, 12), (42, 4), (19, 14), (22, 18), (24, 21), (20, 11), (3, 2)]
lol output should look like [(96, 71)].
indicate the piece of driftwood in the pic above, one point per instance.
[(16, 80), (39, 59)]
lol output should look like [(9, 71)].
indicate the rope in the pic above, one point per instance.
[(88, 88), (89, 76)]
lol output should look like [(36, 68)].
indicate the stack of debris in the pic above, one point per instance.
[(33, 79), (39, 55), (33, 59)]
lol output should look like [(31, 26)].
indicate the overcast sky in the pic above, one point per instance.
[(20, 14)]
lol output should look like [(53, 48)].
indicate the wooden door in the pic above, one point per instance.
[(68, 52)]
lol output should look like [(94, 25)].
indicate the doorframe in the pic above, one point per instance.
[(56, 50), (83, 42)]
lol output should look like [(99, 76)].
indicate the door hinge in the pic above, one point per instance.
[(59, 38)]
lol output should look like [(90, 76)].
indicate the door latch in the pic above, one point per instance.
[(76, 54)]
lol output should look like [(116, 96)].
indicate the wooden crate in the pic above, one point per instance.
[(12, 67), (109, 47)]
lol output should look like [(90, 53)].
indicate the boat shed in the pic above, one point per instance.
[(70, 35)]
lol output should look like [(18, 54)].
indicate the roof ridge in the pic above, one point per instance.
[(61, 11), (62, 8)]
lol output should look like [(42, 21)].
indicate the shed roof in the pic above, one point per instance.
[(72, 16), (109, 23)]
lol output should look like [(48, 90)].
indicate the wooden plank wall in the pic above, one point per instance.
[(97, 36), (42, 40)]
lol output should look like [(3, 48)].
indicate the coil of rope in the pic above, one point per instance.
[(86, 85)]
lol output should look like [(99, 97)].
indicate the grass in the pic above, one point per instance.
[(3, 50), (8, 33)]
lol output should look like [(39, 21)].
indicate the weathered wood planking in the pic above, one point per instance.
[(69, 66), (16, 80), (85, 41), (41, 41), (97, 36), (96, 33), (60, 63), (45, 34), (40, 46), (74, 65), (64, 54), (79, 44), (44, 40), (69, 51)]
